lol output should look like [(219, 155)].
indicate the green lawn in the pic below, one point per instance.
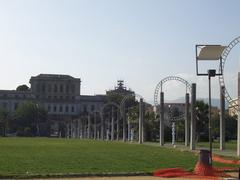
[(230, 145), (25, 157), (31, 156)]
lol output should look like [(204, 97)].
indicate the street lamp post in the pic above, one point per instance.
[(209, 53)]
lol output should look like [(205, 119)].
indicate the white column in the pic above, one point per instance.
[(222, 118), (112, 126), (89, 126), (161, 129), (238, 126), (173, 133), (140, 124)]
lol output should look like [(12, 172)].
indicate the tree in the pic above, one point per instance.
[(23, 87), (202, 121), (151, 126), (180, 130), (231, 127), (4, 120), (28, 119), (133, 114), (215, 124)]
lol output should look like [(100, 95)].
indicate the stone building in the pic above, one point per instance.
[(10, 99), (58, 94)]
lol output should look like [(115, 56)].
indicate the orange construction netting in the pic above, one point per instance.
[(201, 171)]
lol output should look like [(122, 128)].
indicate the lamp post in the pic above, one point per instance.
[(209, 53)]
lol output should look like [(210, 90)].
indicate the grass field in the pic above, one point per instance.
[(23, 157), (230, 145), (31, 156)]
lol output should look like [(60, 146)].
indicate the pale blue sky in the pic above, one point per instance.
[(101, 41)]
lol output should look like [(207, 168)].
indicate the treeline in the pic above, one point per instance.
[(29, 119), (152, 126)]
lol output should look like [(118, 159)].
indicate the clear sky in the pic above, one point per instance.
[(101, 41)]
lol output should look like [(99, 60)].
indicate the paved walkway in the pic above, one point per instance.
[(234, 177)]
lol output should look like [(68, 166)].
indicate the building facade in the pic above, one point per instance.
[(59, 95)]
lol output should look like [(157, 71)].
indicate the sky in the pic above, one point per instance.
[(102, 41)]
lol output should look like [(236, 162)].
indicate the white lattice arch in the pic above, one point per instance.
[(225, 54), (169, 78), (122, 104)]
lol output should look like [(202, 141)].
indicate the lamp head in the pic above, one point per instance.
[(211, 73), (211, 53)]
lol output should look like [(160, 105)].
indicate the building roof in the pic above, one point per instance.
[(14, 92), (54, 77)]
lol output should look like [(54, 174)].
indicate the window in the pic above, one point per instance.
[(66, 109), (73, 97), (67, 97), (55, 97), (54, 108), (49, 97), (60, 109), (15, 106), (55, 88), (61, 97), (49, 108), (43, 87), (85, 108), (67, 89), (92, 107), (38, 87), (49, 88), (73, 88), (61, 88), (72, 108)]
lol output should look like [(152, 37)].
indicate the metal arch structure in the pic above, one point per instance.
[(124, 100), (225, 54), (102, 122), (109, 104), (141, 116), (169, 78)]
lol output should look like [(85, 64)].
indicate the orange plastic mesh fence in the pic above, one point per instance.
[(201, 171)]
